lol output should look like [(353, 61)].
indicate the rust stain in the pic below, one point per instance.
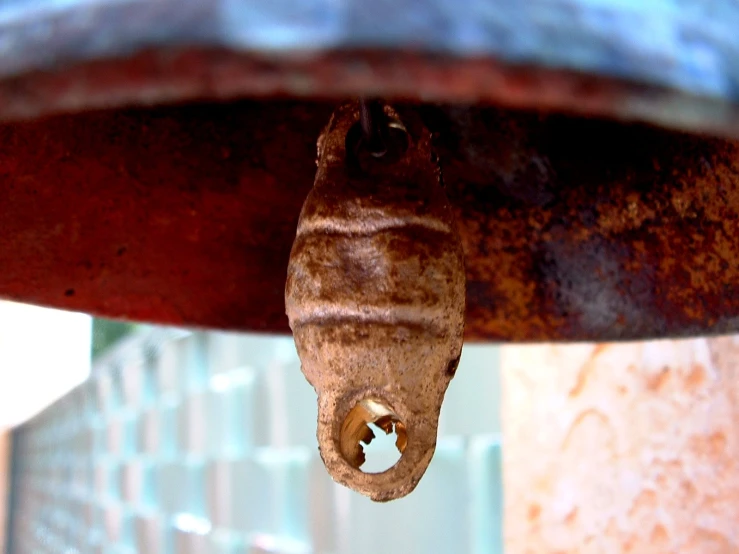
[(659, 380), (571, 517), (534, 512), (695, 379), (647, 502), (659, 537), (572, 229)]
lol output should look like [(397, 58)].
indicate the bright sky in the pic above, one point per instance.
[(44, 353)]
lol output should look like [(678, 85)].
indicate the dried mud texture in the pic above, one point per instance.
[(622, 448), (375, 296)]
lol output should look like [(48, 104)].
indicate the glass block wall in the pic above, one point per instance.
[(187, 442)]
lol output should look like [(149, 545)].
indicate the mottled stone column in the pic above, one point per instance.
[(4, 485), (622, 447)]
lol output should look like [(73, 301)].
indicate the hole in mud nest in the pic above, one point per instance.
[(368, 434)]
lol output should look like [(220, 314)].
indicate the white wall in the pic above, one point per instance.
[(44, 353)]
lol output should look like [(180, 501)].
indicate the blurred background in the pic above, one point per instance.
[(139, 439), (134, 439)]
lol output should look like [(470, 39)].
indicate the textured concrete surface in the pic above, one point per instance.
[(622, 447), (4, 484)]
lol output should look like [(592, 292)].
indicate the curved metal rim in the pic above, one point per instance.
[(658, 62)]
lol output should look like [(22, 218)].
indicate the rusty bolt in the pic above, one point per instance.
[(375, 296)]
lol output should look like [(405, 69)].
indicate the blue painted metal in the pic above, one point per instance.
[(691, 46), (687, 47)]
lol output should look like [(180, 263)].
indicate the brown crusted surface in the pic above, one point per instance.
[(375, 296), (627, 448), (572, 228)]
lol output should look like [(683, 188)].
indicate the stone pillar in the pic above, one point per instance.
[(5, 477), (622, 447)]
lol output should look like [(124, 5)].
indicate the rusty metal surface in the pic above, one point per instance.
[(573, 229), (597, 230), (375, 296), (670, 62)]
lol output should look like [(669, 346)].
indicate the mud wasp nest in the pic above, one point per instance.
[(375, 296)]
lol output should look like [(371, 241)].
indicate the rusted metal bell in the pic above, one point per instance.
[(375, 296)]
